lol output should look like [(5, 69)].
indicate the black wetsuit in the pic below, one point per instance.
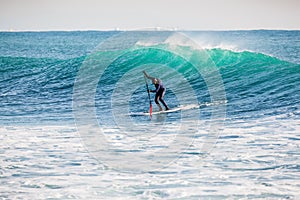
[(160, 92)]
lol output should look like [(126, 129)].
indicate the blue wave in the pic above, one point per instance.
[(41, 88)]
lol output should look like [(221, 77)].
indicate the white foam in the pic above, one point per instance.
[(256, 157)]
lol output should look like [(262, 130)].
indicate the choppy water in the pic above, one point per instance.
[(67, 132)]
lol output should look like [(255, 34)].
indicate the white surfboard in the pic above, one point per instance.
[(177, 109)]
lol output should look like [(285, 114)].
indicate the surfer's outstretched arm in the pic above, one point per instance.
[(149, 77)]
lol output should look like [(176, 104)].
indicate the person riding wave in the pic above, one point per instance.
[(159, 91)]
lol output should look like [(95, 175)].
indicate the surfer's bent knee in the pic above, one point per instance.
[(156, 99)]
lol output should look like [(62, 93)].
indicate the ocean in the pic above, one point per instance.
[(74, 120)]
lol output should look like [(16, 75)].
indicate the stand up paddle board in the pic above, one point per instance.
[(177, 109)]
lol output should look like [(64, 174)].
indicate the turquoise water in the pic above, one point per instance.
[(67, 130)]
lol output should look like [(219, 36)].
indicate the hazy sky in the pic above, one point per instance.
[(136, 14)]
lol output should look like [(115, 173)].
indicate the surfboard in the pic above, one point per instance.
[(177, 109)]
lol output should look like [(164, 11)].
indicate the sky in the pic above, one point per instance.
[(45, 15)]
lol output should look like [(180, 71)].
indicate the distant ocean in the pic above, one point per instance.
[(72, 123)]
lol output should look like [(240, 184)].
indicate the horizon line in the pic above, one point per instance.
[(147, 29)]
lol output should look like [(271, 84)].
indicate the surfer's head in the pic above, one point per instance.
[(155, 81)]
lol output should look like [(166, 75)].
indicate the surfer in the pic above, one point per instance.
[(160, 91)]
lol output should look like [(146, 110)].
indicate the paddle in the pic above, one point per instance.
[(150, 109)]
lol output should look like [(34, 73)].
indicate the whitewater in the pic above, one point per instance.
[(69, 128)]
